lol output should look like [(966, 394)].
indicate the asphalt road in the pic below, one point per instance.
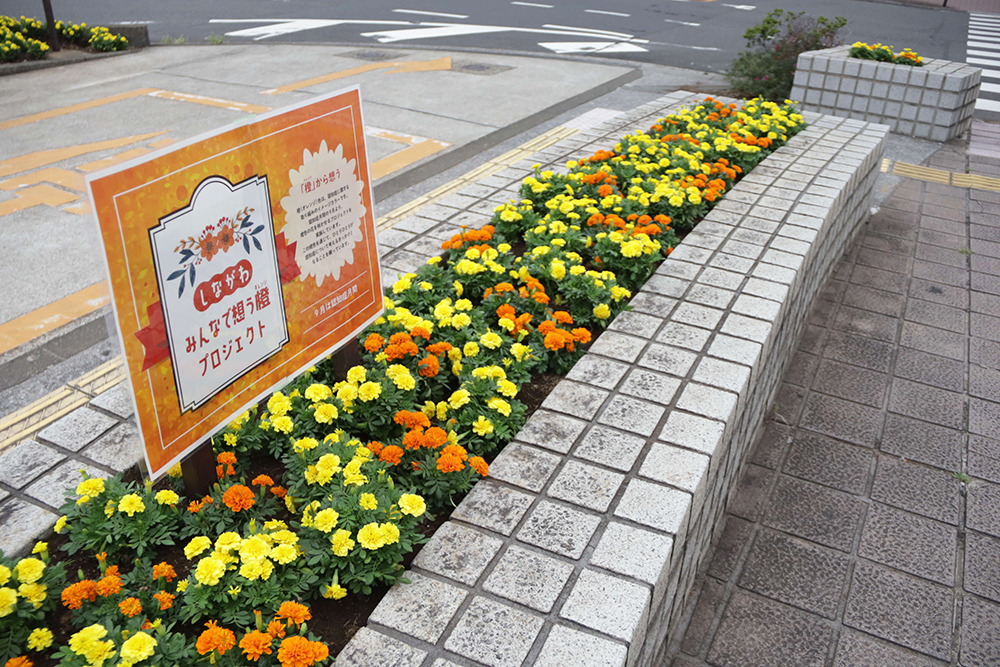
[(704, 35)]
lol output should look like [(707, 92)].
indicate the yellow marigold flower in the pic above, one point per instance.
[(252, 569), (87, 643), (60, 525), (341, 543), (228, 541), (284, 536), (4, 575), (33, 593), (482, 426), (130, 504), (412, 504), (325, 413), (40, 639), (500, 405), (602, 311), (490, 340), (335, 591), (460, 321), (357, 375), (209, 571), (458, 399), (470, 349), (318, 392), (390, 533), (29, 570), (8, 601), (230, 439), (182, 585), (254, 548), (90, 487), (283, 424), (368, 501), (278, 404), (167, 497), (138, 647), (284, 554), (196, 546), (304, 444), (326, 520), (369, 391), (370, 536)]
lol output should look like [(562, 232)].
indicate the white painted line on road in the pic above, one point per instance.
[(988, 54), (974, 23), (682, 22), (985, 45), (286, 26), (985, 33), (601, 11), (984, 17), (982, 61), (434, 30), (441, 14), (688, 46), (532, 4), (745, 8), (989, 87), (987, 105), (591, 47), (596, 31), (991, 73)]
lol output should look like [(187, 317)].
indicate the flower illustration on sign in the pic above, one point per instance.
[(214, 239)]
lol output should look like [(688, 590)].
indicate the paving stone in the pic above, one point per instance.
[(851, 382), (53, 486), (723, 374), (735, 349), (493, 633), (618, 346), (609, 447), (598, 371), (633, 552), (654, 505), (858, 350), (746, 327), (980, 633), (575, 399), (707, 401), (983, 508), (984, 383), (532, 579), (652, 386), (984, 458), (814, 512), (771, 445), (678, 467), (940, 273), (458, 552), (119, 449), (586, 485), (856, 649), (829, 462), (788, 403), (910, 543), (421, 609), (937, 315), (493, 507), (916, 488), (566, 646), (923, 442), (697, 315), (876, 300), (709, 599), (866, 323), (551, 430), (77, 429), (22, 523), (984, 352), (752, 493), (117, 400), (559, 529), (636, 324), (693, 432), (795, 572), (608, 604), (369, 647), (939, 293), (735, 538), (841, 419), (756, 631), (933, 340), (631, 414), (683, 335), (524, 466), (666, 359), (25, 461), (883, 280), (900, 608), (930, 369), (984, 418), (928, 403), (982, 565)]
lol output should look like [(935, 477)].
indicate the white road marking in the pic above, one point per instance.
[(600, 11), (745, 8), (991, 73), (987, 105), (441, 14), (988, 54), (433, 30), (985, 17), (985, 45), (682, 22), (532, 4), (989, 87), (982, 61), (596, 31), (984, 33), (591, 47), (286, 26)]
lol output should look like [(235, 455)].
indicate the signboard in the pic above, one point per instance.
[(236, 260)]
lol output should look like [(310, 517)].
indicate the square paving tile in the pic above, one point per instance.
[(756, 631), (25, 461), (901, 609), (851, 382), (709, 600), (982, 565), (771, 445), (631, 414), (574, 398), (937, 315), (924, 442), (586, 485), (802, 369), (844, 420), (533, 579), (421, 609), (857, 649), (917, 488), (980, 633), (911, 543), (524, 466), (879, 301), (655, 505), (494, 634), (77, 429), (610, 447), (650, 386), (866, 323), (795, 572), (634, 552), (53, 487), (939, 293), (559, 529), (458, 552), (814, 512), (829, 462), (878, 279), (984, 383), (921, 401), (930, 369), (493, 507)]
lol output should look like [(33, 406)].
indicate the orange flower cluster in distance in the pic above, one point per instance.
[(472, 237), (74, 595), (556, 338)]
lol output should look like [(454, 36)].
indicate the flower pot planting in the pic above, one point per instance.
[(24, 38)]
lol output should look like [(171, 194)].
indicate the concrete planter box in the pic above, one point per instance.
[(582, 546), (933, 102)]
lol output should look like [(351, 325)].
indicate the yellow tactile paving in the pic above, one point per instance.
[(393, 67), (975, 181), (48, 318)]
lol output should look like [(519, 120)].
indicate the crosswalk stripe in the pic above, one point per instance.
[(991, 73), (984, 19), (988, 54), (985, 33), (983, 39), (989, 87), (987, 105), (983, 61), (984, 45)]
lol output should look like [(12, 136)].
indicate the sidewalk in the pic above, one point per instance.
[(866, 529)]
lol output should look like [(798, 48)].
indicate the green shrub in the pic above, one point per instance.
[(766, 68), (102, 39)]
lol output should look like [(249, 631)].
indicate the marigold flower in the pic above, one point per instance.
[(374, 342), (74, 594), (167, 497), (19, 661), (196, 546), (262, 480), (29, 570), (40, 639), (238, 498), (279, 491), (209, 571), (293, 612), (165, 599), (412, 504), (391, 455), (368, 501), (429, 366), (195, 506), (300, 652), (215, 639), (227, 458), (130, 504), (138, 647), (276, 629), (256, 644), (370, 537), (130, 607), (109, 585), (449, 463), (165, 570)]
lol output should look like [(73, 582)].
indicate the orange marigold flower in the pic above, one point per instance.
[(300, 652), (541, 297), (238, 498), (502, 288), (74, 594), (109, 584), (262, 480), (554, 340), (226, 458), (276, 629), (375, 447), (457, 451), (101, 557), (411, 420), (479, 465), (165, 599), (604, 191), (420, 332), (208, 500), (546, 326), (400, 338), (374, 342), (439, 349), (130, 607), (215, 639), (448, 463), (435, 437), (429, 366), (582, 335), (19, 661), (294, 612), (195, 506), (112, 571), (220, 472), (391, 455), (279, 491), (562, 317), (256, 644), (414, 439)]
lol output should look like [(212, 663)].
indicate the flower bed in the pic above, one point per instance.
[(24, 38), (363, 456), (935, 101)]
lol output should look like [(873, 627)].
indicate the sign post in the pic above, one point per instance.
[(237, 260)]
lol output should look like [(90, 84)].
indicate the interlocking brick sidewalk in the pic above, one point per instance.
[(866, 530)]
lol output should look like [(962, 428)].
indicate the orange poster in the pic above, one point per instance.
[(238, 259)]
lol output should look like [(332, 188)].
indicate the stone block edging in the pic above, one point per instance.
[(935, 101), (581, 547)]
